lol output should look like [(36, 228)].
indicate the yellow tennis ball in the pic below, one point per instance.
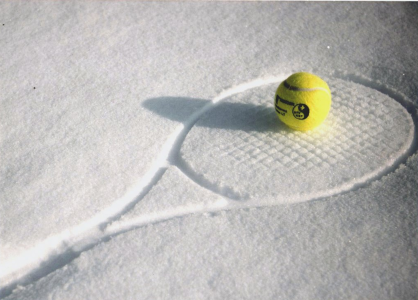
[(303, 101)]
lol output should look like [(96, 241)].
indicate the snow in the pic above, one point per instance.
[(142, 158)]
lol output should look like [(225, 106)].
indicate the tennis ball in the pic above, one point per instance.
[(303, 101)]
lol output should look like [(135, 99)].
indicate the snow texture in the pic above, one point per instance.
[(142, 157)]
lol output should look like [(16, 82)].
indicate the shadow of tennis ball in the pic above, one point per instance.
[(229, 116)]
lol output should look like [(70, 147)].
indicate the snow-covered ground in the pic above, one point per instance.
[(141, 157)]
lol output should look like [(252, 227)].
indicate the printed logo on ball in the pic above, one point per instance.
[(300, 111)]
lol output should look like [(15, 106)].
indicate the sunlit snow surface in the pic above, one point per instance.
[(142, 157)]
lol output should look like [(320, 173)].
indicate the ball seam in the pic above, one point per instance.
[(298, 89)]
